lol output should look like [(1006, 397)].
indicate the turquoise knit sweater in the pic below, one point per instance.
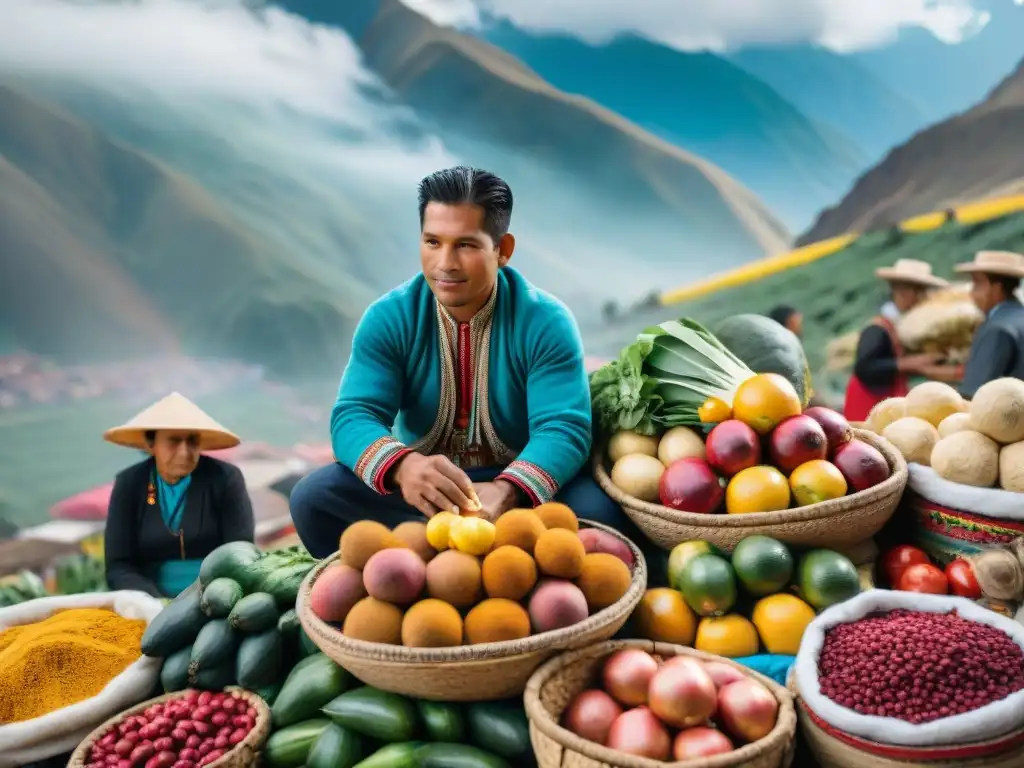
[(506, 389)]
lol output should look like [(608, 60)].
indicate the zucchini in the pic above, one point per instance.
[(215, 645), (252, 576), (442, 721), (289, 747), (259, 660), (230, 560), (269, 693), (288, 625), (457, 756), (176, 626), (254, 613), (283, 584), (337, 747), (312, 683), (380, 715), (220, 597), (174, 672), (214, 678), (404, 755), (306, 646), (501, 727)]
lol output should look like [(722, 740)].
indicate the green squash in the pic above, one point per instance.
[(767, 347)]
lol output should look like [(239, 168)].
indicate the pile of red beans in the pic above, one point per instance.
[(190, 731), (917, 666)]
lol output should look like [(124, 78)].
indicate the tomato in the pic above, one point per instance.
[(924, 577), (961, 579), (898, 559)]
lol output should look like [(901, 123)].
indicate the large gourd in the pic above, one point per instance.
[(767, 347)]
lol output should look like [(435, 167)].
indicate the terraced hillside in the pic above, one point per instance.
[(837, 293)]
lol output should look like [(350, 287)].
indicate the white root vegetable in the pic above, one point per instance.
[(626, 442), (933, 401), (638, 475), (955, 422), (1011, 467), (914, 438), (968, 458), (680, 443), (997, 410), (885, 413)]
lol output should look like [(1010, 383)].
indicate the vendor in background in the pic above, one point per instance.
[(998, 346), (172, 509), (788, 318), (465, 384), (880, 369)]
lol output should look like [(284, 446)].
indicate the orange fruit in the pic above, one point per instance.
[(757, 489), (664, 616), (731, 635), (764, 401), (816, 481), (714, 411), (781, 620)]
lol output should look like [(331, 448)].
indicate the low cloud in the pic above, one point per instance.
[(842, 25)]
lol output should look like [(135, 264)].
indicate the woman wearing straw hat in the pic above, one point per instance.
[(880, 369), (998, 346), (172, 509)]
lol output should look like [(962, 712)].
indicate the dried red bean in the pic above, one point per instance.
[(930, 665)]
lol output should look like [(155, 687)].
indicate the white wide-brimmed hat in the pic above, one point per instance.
[(911, 271), (1005, 263), (175, 412)]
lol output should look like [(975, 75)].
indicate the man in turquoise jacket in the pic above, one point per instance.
[(464, 385)]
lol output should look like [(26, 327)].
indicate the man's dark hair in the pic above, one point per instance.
[(1009, 284), (460, 186), (782, 313)]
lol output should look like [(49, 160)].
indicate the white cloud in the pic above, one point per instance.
[(842, 25)]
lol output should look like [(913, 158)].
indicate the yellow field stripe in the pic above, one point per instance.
[(969, 213)]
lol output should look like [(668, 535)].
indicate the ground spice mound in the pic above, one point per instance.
[(66, 658), (918, 666)]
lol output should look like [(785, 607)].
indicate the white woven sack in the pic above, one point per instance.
[(64, 729), (989, 502), (989, 722)]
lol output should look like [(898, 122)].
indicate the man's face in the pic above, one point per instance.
[(906, 296), (985, 292), (459, 259)]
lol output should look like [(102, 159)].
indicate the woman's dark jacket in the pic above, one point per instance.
[(217, 510)]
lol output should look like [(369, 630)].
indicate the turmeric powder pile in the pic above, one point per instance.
[(69, 657)]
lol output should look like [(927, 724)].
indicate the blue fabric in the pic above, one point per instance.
[(775, 666), (172, 501), (175, 576), (538, 398)]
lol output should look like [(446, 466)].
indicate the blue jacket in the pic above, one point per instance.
[(508, 388)]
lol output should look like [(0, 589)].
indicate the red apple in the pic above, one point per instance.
[(599, 541), (691, 485), (747, 710), (862, 465), (732, 446), (700, 742), (796, 441), (837, 429)]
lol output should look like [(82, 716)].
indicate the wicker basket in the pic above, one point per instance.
[(482, 672), (840, 524), (555, 684), (244, 755), (836, 749)]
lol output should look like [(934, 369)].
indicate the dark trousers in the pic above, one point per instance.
[(329, 499)]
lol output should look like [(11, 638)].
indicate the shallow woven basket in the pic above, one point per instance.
[(243, 755), (836, 749), (556, 683), (841, 524), (481, 672)]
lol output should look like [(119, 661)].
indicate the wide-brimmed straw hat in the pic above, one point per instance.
[(1004, 263), (913, 272), (175, 412)]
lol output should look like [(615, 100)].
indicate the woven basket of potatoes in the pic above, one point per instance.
[(461, 609)]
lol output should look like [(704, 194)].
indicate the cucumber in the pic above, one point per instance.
[(306, 646), (259, 660), (252, 576), (380, 715), (337, 747), (289, 747), (404, 755), (220, 597), (174, 673), (288, 625), (176, 626), (269, 693), (214, 678), (283, 584), (442, 721), (457, 756), (215, 645), (311, 684), (229, 561), (501, 727), (254, 613)]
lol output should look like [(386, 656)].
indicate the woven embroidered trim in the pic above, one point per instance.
[(535, 481), (376, 460)]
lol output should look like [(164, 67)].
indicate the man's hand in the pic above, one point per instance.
[(917, 363), (947, 373), (432, 484), (496, 498)]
